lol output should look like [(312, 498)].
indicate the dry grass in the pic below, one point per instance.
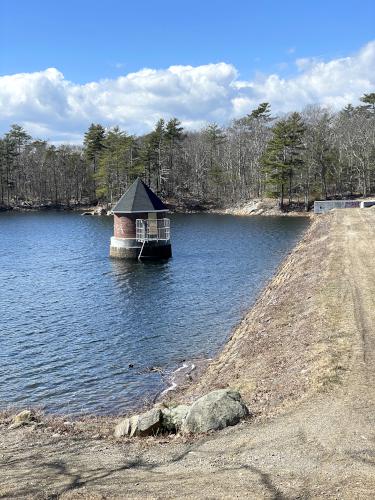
[(289, 345)]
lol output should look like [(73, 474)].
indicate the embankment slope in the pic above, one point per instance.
[(304, 358)]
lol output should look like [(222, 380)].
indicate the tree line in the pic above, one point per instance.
[(296, 158)]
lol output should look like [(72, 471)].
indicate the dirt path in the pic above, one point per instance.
[(305, 359)]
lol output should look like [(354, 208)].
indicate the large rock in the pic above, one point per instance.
[(174, 417), (146, 424), (214, 411)]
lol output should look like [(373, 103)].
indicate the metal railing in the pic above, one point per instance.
[(153, 230)]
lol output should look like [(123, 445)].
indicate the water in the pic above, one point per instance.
[(72, 320)]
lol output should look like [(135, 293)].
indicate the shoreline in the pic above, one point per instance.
[(303, 360), (186, 375), (261, 207)]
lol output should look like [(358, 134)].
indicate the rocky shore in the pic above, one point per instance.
[(265, 207)]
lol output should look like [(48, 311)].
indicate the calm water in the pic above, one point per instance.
[(72, 320)]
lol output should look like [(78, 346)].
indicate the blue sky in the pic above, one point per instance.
[(88, 41)]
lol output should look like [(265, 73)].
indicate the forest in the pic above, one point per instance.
[(295, 158)]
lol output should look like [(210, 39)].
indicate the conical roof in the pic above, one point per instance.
[(139, 198)]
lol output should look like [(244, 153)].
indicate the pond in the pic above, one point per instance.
[(80, 332)]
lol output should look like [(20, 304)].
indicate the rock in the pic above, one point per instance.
[(25, 417), (214, 411), (122, 428), (100, 211), (146, 424), (253, 208), (173, 418)]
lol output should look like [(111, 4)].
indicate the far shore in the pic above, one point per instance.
[(262, 207)]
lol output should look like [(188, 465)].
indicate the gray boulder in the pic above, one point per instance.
[(173, 418), (146, 424), (214, 411)]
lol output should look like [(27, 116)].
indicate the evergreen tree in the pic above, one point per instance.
[(152, 155), (93, 144), (263, 112), (17, 139), (369, 100), (115, 165), (173, 137), (283, 154), (214, 137)]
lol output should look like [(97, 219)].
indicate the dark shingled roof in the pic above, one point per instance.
[(139, 198)]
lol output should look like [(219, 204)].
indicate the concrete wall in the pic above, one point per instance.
[(321, 207), (367, 203)]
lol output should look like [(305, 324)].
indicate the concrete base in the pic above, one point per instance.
[(127, 248), (124, 253)]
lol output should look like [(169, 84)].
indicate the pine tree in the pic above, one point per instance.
[(18, 139), (152, 155), (214, 137), (173, 137), (369, 100), (263, 112), (93, 144), (115, 165), (283, 154)]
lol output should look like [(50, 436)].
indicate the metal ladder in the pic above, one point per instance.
[(140, 253)]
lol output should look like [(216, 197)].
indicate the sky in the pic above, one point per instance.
[(66, 64)]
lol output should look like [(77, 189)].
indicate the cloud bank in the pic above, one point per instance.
[(49, 106)]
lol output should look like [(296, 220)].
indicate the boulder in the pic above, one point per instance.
[(173, 417), (214, 411), (146, 424), (25, 417)]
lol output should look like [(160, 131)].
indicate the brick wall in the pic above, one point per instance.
[(124, 224)]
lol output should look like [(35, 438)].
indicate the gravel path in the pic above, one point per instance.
[(304, 358)]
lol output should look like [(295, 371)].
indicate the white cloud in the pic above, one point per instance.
[(50, 106)]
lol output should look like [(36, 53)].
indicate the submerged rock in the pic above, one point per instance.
[(174, 417), (215, 410)]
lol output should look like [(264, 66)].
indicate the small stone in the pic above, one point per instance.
[(25, 417)]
